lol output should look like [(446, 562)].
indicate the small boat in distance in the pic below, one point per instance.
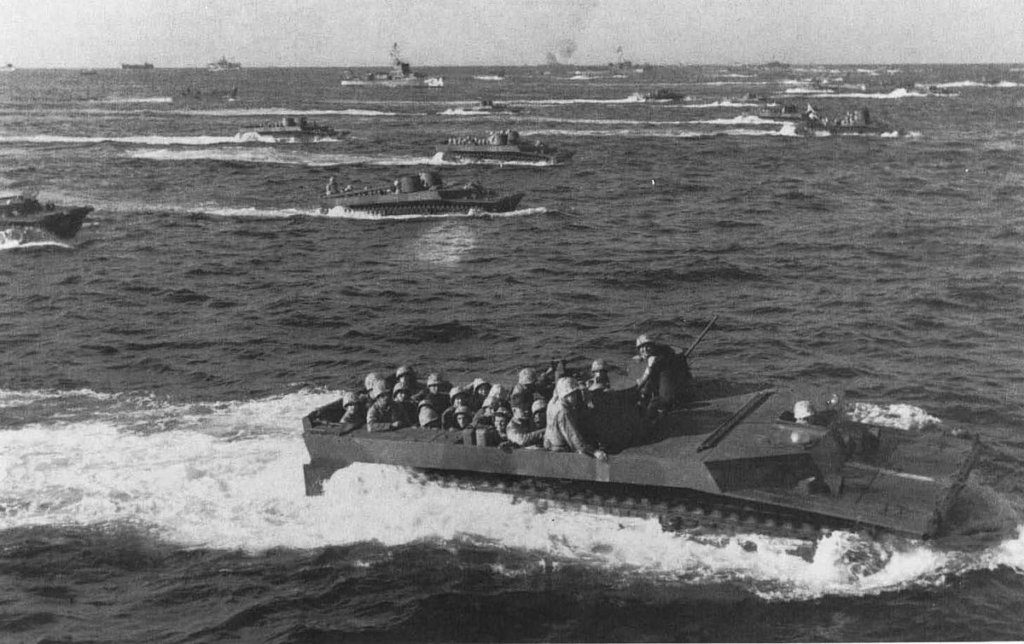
[(401, 75), (483, 107), (500, 147), (622, 66), (223, 65), (291, 128), (193, 95), (423, 194), (491, 76), (777, 112), (136, 66), (657, 96), (8, 68), (26, 210)]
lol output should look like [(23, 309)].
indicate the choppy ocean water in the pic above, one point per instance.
[(155, 369)]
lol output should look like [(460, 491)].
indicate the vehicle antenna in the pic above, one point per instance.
[(700, 337)]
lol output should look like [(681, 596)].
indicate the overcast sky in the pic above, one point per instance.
[(191, 33)]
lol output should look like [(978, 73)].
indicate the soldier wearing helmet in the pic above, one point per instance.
[(502, 416), (666, 379), (355, 414), (599, 380), (484, 416), (437, 392), (564, 432), (521, 429), (380, 417), (428, 416), (533, 386), (407, 376), (478, 391), (463, 416), (459, 396), (524, 391), (539, 413), (403, 408), (365, 395)]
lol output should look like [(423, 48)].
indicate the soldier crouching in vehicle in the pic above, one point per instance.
[(502, 419), (599, 380), (539, 414), (522, 430), (666, 379), (355, 414), (382, 416), (427, 415), (563, 431)]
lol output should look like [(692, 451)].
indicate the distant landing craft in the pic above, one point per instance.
[(223, 65), (26, 210)]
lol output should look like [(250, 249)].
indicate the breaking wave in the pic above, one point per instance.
[(438, 159), (277, 156), (999, 84), (143, 139), (341, 212), (896, 93), (138, 99), (24, 238), (257, 213), (284, 111), (657, 134)]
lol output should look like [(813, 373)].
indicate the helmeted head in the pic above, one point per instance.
[(495, 396), (371, 378), (463, 415), (502, 416), (566, 387), (405, 371), (598, 365), (643, 340), (458, 395), (379, 390), (400, 388), (527, 376), (480, 387), (348, 399), (434, 380), (503, 409), (428, 416), (538, 406)]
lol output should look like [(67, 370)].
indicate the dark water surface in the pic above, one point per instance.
[(155, 369)]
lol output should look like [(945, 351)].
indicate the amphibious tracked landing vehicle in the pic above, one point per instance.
[(291, 128), (25, 210), (420, 194), (721, 462), (501, 147), (852, 122)]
